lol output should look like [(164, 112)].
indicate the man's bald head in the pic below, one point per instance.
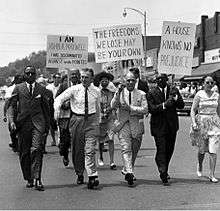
[(130, 81)]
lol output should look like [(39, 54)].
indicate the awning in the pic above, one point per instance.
[(205, 69), (199, 72)]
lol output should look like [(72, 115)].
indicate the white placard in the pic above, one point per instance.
[(118, 43), (212, 56), (66, 51), (176, 48)]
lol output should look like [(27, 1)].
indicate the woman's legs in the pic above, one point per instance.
[(212, 164), (111, 151), (200, 159)]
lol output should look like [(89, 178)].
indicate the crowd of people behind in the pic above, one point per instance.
[(86, 109)]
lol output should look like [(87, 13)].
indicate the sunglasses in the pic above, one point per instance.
[(209, 82), (30, 73)]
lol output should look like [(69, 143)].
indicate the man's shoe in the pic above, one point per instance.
[(93, 182), (166, 183), (113, 166), (129, 177), (80, 180), (65, 161), (38, 185), (30, 184)]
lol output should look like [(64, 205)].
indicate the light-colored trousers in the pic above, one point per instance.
[(84, 135), (129, 147)]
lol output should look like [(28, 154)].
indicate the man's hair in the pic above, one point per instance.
[(30, 67), (135, 70), (88, 70)]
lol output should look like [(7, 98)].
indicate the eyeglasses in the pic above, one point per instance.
[(209, 82), (29, 73)]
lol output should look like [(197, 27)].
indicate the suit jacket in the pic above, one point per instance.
[(34, 108), (143, 85), (134, 117), (164, 121)]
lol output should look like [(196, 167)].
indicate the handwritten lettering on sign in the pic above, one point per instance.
[(176, 48), (118, 43), (67, 51)]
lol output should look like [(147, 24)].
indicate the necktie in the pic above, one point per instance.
[(86, 103), (129, 98), (30, 89), (163, 93)]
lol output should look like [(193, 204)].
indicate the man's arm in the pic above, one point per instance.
[(12, 109), (152, 107), (143, 109), (59, 100)]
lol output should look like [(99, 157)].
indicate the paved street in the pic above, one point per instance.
[(61, 192)]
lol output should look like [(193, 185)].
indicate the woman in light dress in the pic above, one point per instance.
[(205, 130)]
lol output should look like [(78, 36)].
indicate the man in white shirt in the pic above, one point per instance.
[(13, 134), (84, 130), (132, 106), (54, 87)]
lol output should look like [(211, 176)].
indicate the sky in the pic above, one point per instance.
[(25, 24)]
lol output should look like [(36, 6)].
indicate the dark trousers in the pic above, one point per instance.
[(31, 144), (64, 144), (165, 146)]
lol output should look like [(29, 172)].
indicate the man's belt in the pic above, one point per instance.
[(83, 115)]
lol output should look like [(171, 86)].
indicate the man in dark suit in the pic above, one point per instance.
[(32, 122), (164, 124), (140, 84)]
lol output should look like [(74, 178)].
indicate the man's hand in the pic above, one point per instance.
[(169, 102), (120, 87), (13, 126), (56, 115), (125, 106)]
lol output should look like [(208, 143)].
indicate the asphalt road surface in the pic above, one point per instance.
[(61, 192)]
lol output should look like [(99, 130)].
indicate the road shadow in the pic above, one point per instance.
[(48, 187)]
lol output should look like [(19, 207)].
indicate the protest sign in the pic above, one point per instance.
[(118, 43), (66, 51), (176, 48)]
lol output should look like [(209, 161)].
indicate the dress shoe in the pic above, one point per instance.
[(129, 177), (65, 161), (38, 185), (30, 184), (80, 180), (165, 182), (113, 166), (93, 182), (199, 171), (213, 179)]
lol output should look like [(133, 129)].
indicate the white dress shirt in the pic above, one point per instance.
[(53, 88), (28, 86), (8, 92), (76, 94)]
